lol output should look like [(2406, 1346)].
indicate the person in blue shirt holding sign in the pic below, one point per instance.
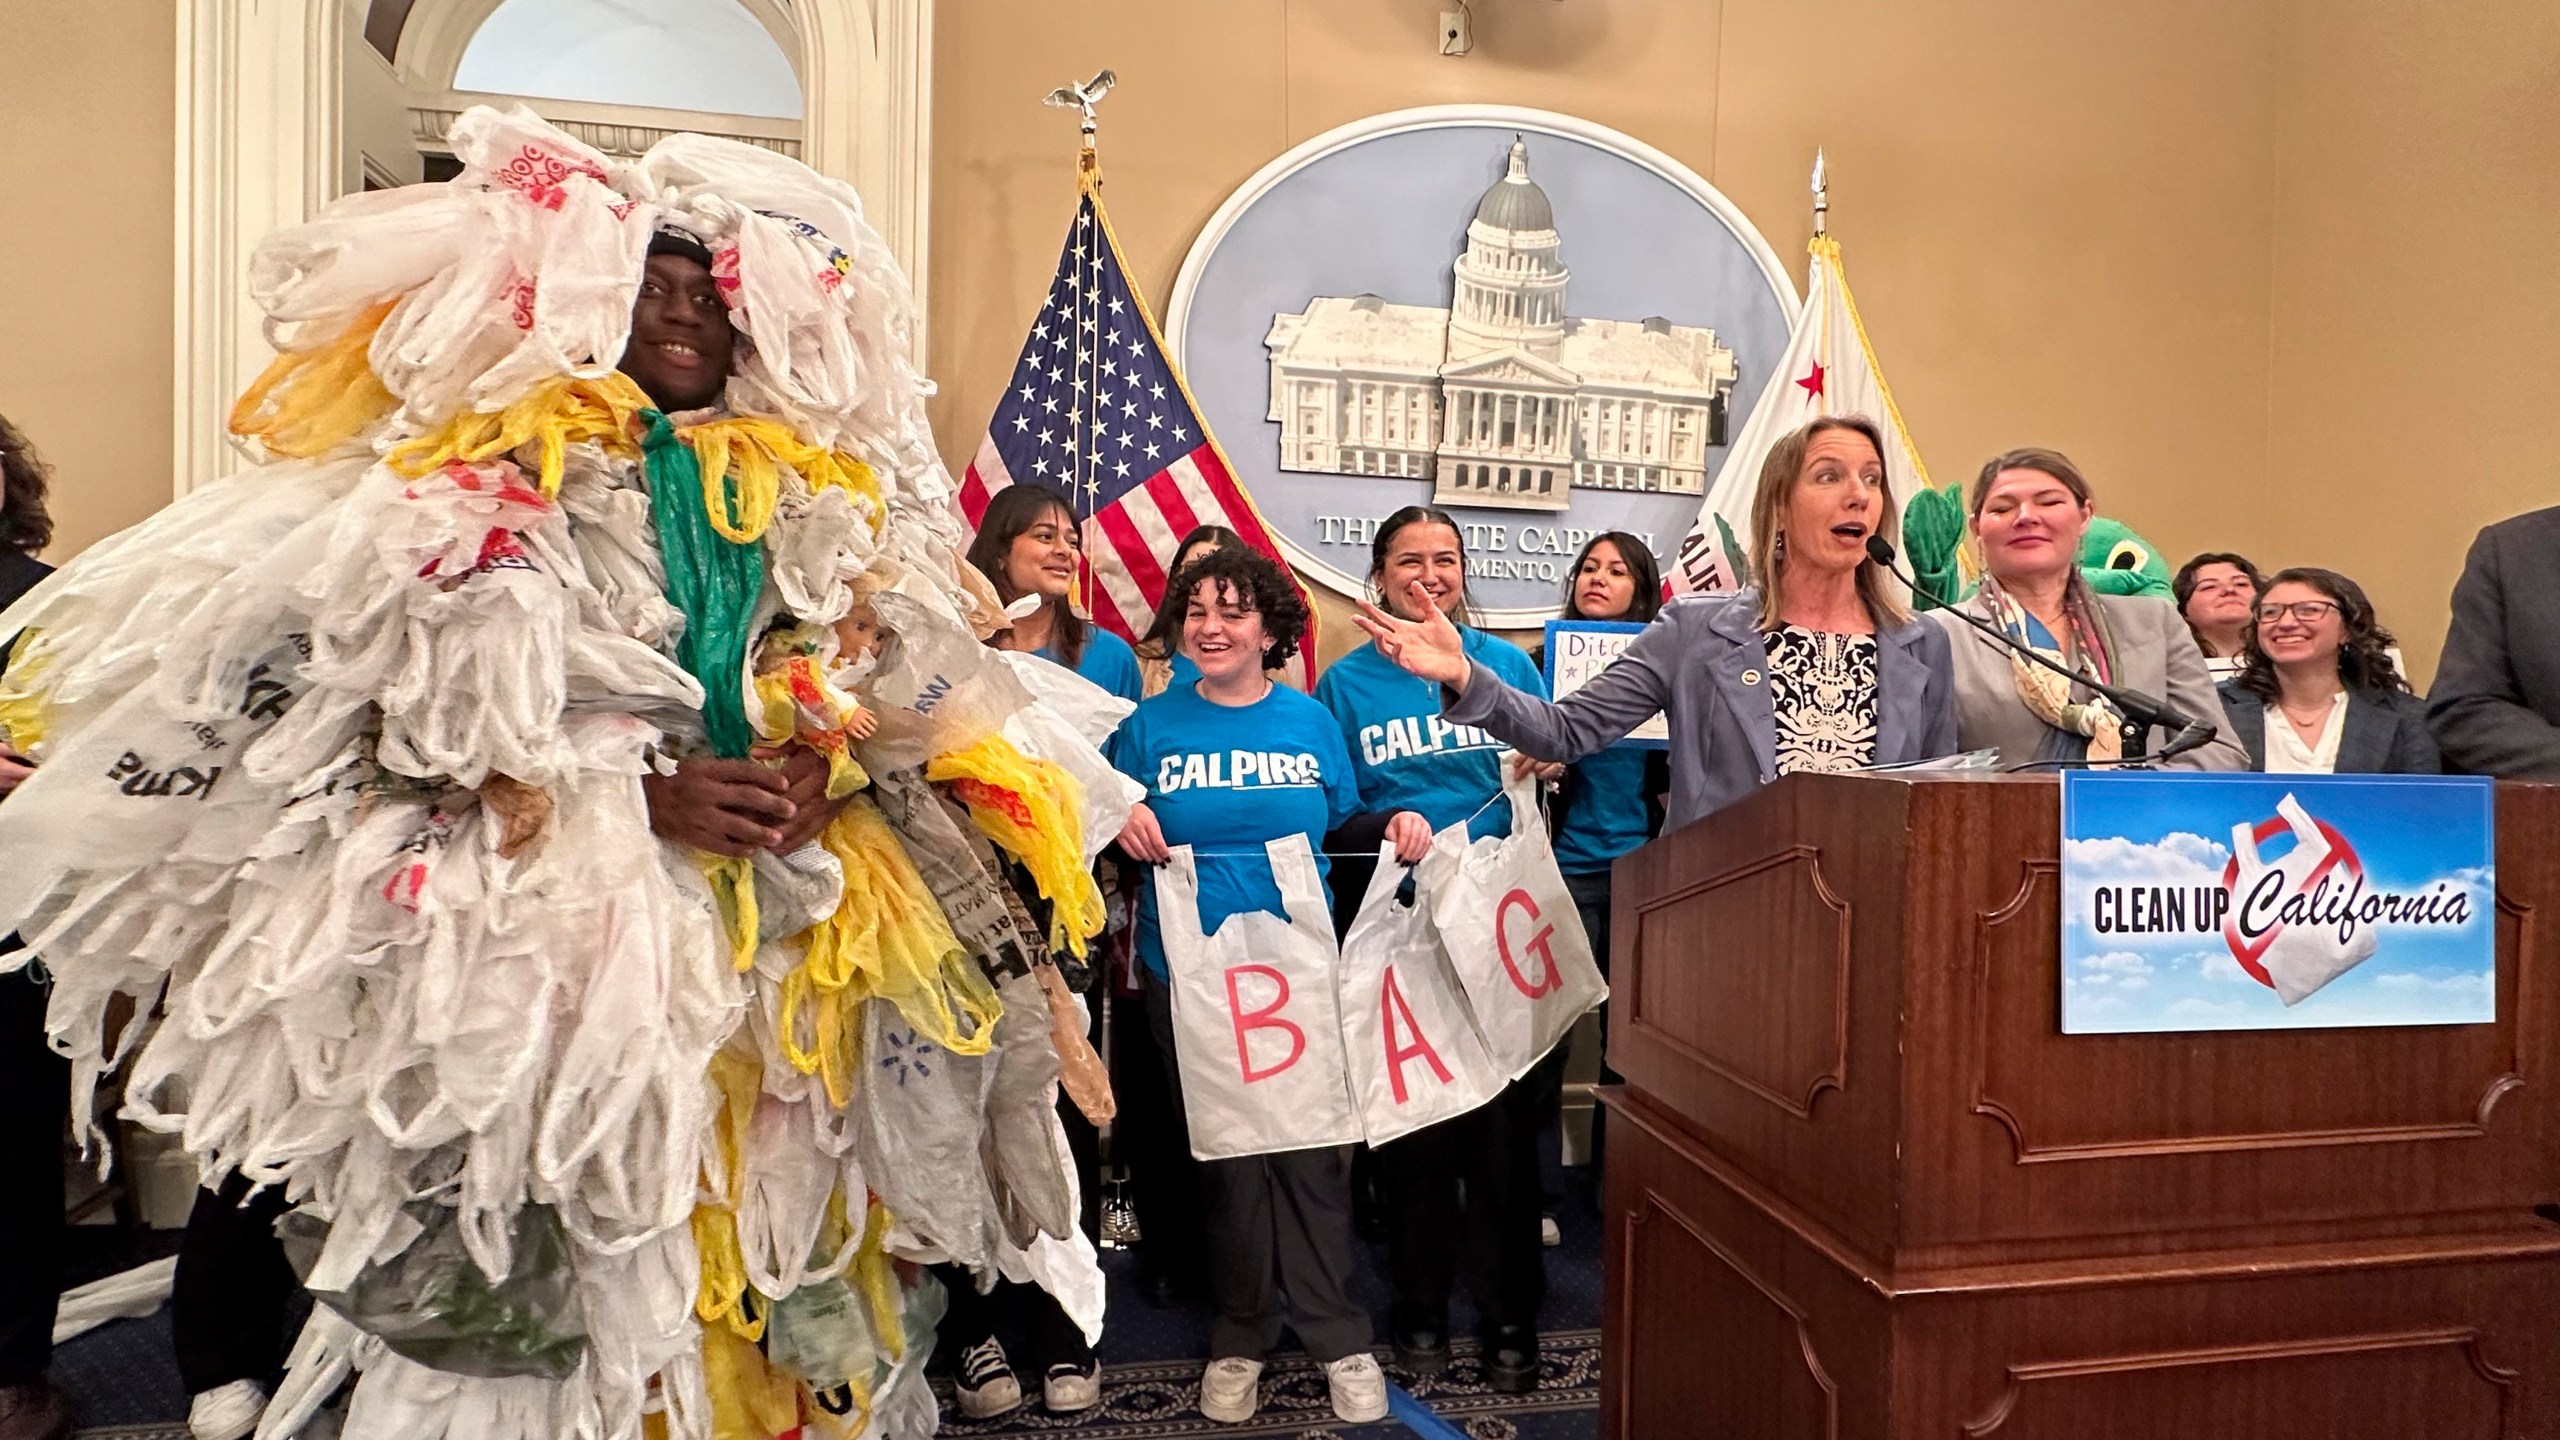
[(1437, 774), (1027, 544), (1609, 802), (1230, 762)]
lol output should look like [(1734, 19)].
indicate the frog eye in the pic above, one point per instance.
[(2127, 555)]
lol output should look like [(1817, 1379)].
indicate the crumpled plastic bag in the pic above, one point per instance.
[(431, 1303), (923, 1117), (1034, 1194)]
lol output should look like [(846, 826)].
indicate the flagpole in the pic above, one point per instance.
[(1821, 194), (1081, 482)]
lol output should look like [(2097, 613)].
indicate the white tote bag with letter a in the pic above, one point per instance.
[(1256, 1027), (1415, 1057), (1511, 933)]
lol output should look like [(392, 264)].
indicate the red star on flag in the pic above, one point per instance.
[(1813, 383)]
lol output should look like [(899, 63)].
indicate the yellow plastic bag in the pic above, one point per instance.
[(1034, 811)]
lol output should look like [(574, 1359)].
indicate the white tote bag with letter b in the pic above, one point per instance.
[(1511, 933), (1256, 1026), (1415, 1056)]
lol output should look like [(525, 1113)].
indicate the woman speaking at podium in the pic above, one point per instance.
[(2029, 509), (1819, 668)]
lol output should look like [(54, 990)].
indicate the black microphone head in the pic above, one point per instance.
[(1880, 550)]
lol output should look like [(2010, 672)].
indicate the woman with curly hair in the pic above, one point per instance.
[(2318, 691), (1230, 763)]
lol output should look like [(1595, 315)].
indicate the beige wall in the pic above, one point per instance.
[(2282, 274), (88, 162), (2236, 258)]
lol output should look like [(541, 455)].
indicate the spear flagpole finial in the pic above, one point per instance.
[(1821, 192), (1082, 98)]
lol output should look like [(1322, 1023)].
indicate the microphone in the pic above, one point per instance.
[(2140, 711)]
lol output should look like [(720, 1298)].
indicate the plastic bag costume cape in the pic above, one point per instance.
[(339, 787)]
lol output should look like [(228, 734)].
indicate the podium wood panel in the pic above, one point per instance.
[(1861, 1185)]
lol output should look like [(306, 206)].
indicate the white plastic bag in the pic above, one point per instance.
[(1511, 933), (1257, 1029), (2298, 959), (1414, 1053)]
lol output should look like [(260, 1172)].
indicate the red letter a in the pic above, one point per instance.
[(1391, 1004), (1262, 1019)]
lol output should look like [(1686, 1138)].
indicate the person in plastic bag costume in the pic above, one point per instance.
[(349, 766)]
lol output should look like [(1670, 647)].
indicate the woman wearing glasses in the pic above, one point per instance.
[(2318, 692)]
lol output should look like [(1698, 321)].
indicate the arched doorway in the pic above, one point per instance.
[(266, 93)]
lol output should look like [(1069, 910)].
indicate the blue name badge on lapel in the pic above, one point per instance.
[(1579, 649)]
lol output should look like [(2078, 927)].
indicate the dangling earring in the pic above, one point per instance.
[(1780, 545)]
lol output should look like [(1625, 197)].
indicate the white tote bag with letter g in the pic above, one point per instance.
[(1415, 1058), (1257, 1032), (1512, 934)]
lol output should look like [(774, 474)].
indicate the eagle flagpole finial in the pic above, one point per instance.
[(1081, 99)]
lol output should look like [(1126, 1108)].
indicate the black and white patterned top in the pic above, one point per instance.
[(1823, 688)]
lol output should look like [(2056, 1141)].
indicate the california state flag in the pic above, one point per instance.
[(1829, 369)]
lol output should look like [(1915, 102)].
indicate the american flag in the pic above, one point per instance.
[(1096, 412)]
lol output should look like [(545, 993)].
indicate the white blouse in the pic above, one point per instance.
[(2287, 755)]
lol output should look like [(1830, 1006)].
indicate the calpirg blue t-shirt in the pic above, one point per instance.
[(1224, 779), (1108, 662), (1408, 757), (1609, 815)]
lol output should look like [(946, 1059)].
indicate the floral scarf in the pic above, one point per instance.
[(2047, 694)]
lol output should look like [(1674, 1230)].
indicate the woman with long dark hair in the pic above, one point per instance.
[(1028, 544), (2318, 691), (1432, 775)]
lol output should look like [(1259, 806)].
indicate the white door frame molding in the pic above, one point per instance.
[(257, 149), (258, 146)]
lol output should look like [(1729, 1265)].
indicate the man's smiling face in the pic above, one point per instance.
[(681, 341)]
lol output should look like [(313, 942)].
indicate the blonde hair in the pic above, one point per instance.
[(1779, 475)]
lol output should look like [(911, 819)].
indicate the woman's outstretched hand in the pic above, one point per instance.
[(1430, 647)]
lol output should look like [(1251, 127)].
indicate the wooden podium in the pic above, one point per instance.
[(1860, 1185)]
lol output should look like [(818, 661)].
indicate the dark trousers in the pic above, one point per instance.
[(35, 1099), (1026, 1313), (1591, 901), (1148, 1138), (1276, 1225), (1465, 1194), (231, 1303)]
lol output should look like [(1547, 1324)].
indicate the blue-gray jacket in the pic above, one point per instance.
[(1705, 663)]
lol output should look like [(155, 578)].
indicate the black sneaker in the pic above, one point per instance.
[(1421, 1351), (985, 1385), (1511, 1360)]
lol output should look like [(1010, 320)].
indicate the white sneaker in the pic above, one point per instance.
[(1550, 1234), (1359, 1388), (226, 1412), (1231, 1390), (985, 1386), (1066, 1389)]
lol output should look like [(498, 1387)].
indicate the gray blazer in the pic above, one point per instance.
[(2496, 702), (1704, 663), (2385, 732), (2155, 653)]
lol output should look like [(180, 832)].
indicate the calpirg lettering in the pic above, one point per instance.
[(1419, 735), (1237, 770)]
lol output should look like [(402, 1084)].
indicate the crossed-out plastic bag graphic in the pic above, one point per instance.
[(2293, 960)]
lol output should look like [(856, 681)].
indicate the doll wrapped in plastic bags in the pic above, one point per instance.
[(345, 788)]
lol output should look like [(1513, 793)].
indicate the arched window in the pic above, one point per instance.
[(673, 54)]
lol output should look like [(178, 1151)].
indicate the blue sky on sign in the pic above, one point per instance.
[(2145, 830)]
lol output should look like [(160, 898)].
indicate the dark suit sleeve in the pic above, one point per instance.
[(2413, 750), (2481, 722)]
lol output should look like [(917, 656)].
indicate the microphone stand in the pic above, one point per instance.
[(2136, 712)]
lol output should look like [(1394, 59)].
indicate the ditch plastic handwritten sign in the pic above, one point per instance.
[(1415, 1057), (1257, 1028), (1577, 650)]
